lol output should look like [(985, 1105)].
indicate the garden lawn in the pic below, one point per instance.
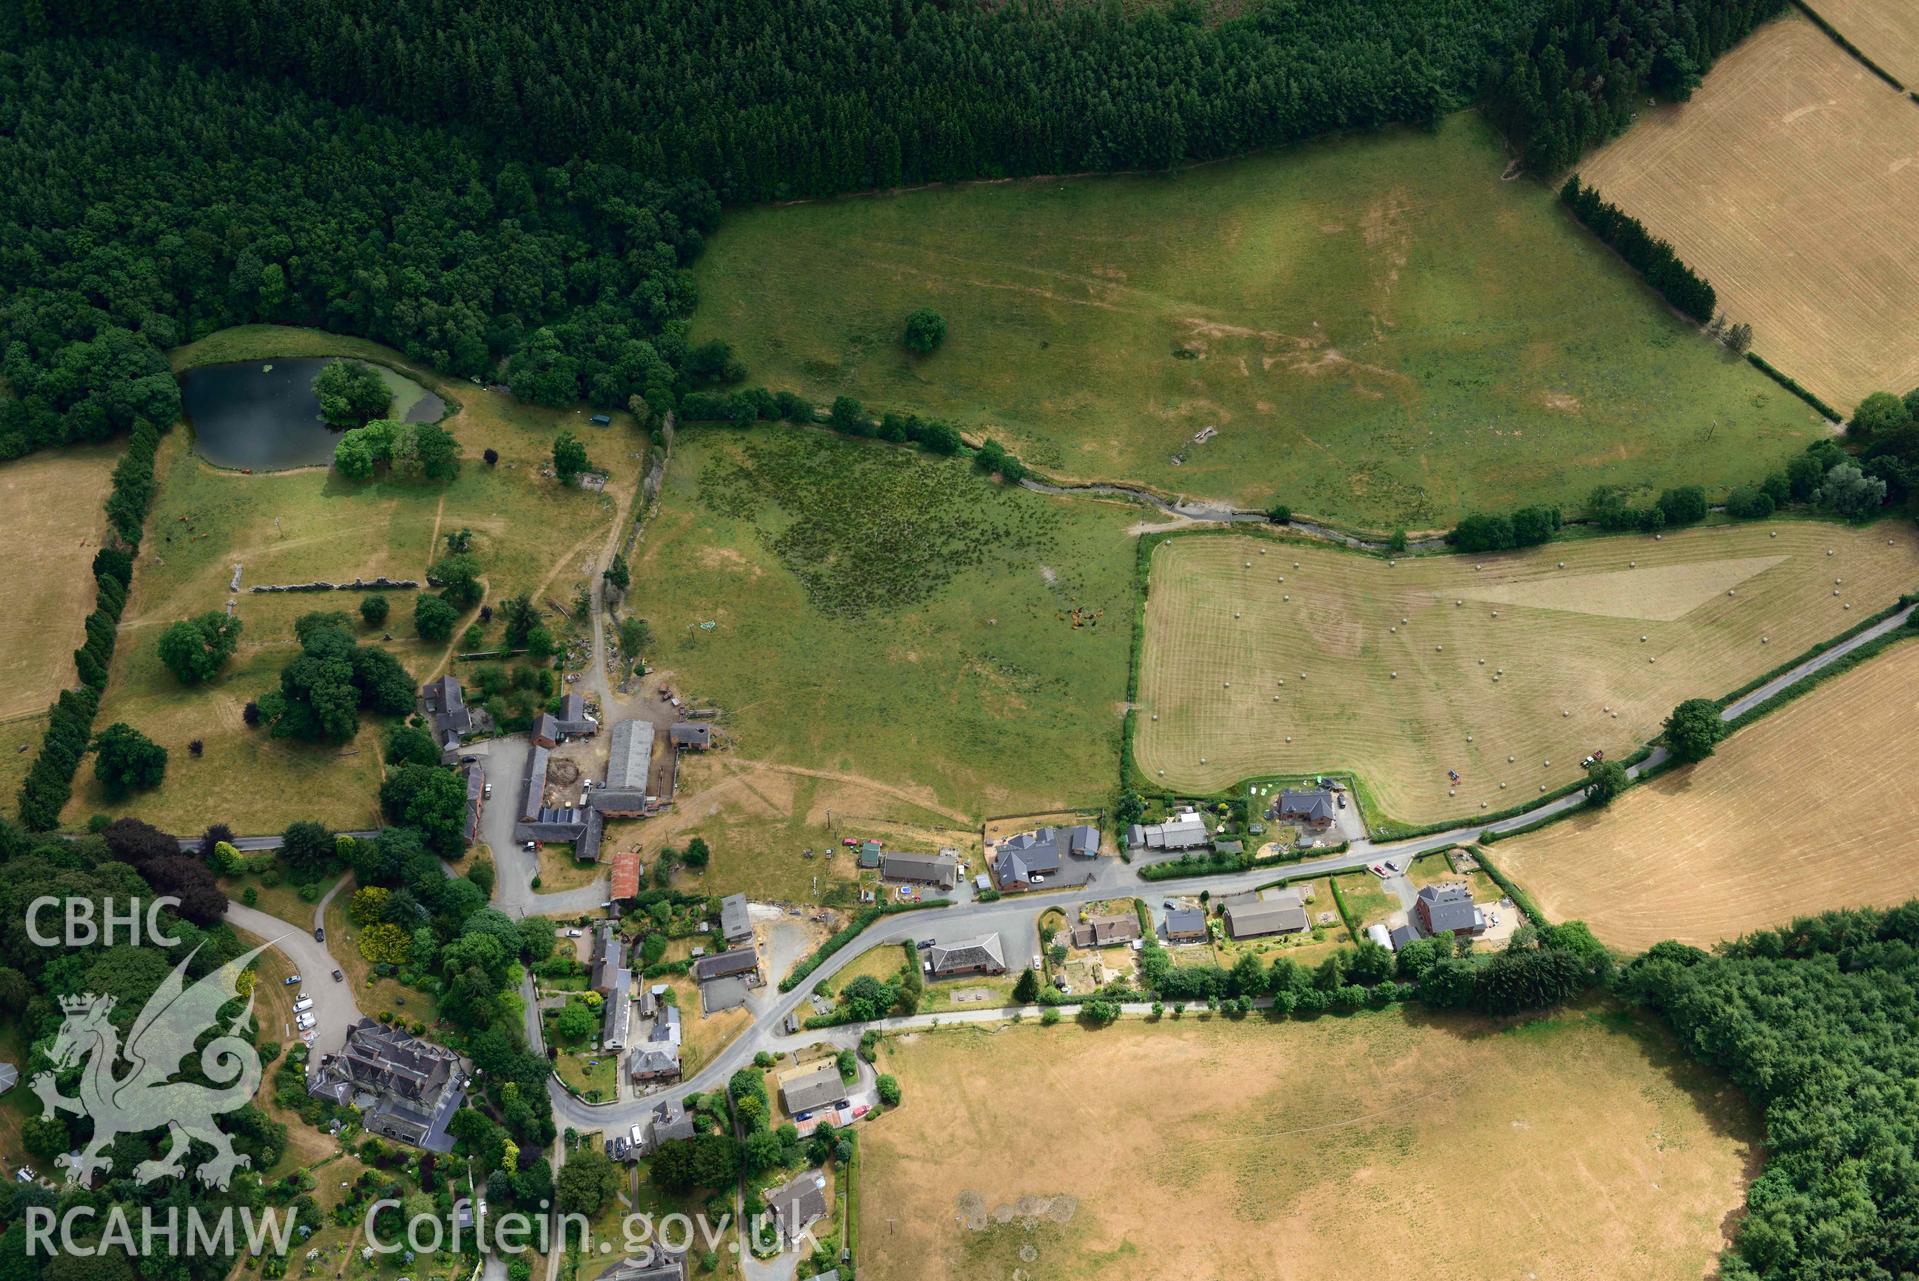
[(1382, 329)]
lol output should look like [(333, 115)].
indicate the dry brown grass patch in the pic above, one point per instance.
[(1883, 30), (1371, 1146)]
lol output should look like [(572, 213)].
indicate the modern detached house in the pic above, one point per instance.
[(1447, 909)]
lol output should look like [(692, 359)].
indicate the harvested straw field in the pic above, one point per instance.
[(1580, 1146), (1788, 181), (51, 518), (1806, 810), (1883, 30), (1267, 657)]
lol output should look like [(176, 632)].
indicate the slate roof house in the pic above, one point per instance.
[(1315, 809), (443, 703), (1185, 924), (404, 1087), (798, 1205), (1039, 854), (980, 955), (658, 1057), (1184, 831), (667, 1122), (807, 1088), (616, 1023), (736, 925), (1284, 913), (740, 962), (572, 722), (1106, 931), (1447, 909), (608, 957), (940, 870)]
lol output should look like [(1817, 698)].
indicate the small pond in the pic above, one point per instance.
[(263, 415)]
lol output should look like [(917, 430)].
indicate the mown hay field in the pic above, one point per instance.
[(1883, 30), (307, 524), (1497, 656), (892, 621), (52, 517), (1788, 181), (1581, 1146), (1808, 809), (1380, 328)]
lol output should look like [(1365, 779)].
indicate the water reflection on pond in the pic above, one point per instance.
[(264, 415)]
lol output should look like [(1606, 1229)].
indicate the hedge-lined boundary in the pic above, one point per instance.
[(1865, 624), (847, 933), (1657, 263), (49, 782), (1818, 20), (1511, 888), (1794, 386), (1813, 680), (1227, 864)]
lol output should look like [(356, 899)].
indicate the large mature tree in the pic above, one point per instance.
[(1604, 781), (569, 457), (432, 800), (1694, 729), (925, 331), (309, 851), (433, 618), (194, 649), (127, 761), (351, 394)]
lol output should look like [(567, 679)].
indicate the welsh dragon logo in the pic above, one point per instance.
[(146, 1097)]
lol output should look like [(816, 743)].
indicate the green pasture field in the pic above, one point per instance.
[(305, 524), (881, 615), (1383, 330)]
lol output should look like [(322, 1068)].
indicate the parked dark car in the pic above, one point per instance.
[(319, 934), (338, 977)]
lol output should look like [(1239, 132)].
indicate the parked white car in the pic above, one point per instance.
[(302, 1005), (307, 1022)]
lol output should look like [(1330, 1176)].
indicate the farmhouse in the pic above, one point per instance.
[(940, 870), (616, 1023), (404, 1087), (654, 1062), (1315, 809), (807, 1088), (736, 926), (1185, 925), (1184, 831), (980, 955), (1447, 909), (1284, 913), (740, 962), (690, 736), (1106, 931), (798, 1205), (443, 703)]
